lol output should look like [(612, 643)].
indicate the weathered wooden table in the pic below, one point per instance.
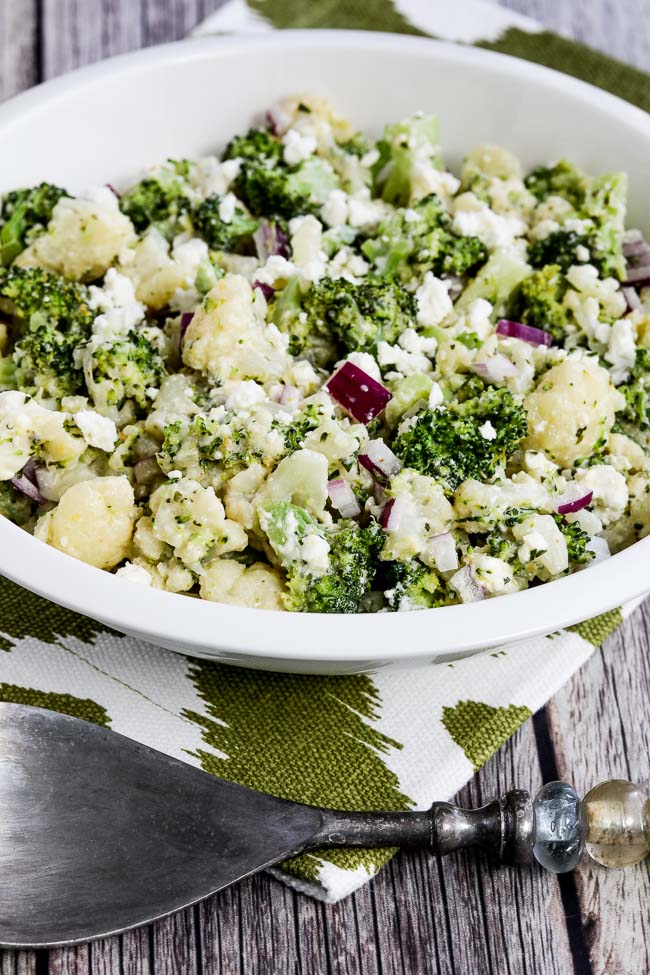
[(419, 916)]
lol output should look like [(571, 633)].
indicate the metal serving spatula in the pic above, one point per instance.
[(99, 834)]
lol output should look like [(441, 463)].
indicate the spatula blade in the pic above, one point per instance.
[(99, 834)]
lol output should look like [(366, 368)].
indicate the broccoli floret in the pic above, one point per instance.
[(53, 317), (352, 557), (256, 146), (271, 188), (235, 236), (126, 369), (637, 393), (403, 147), (281, 191), (559, 248), (27, 291), (563, 179), (598, 202), (44, 361), (160, 199), (538, 301), (500, 546), (13, 505), (448, 444), (358, 316), (410, 585), (576, 541), (24, 214), (409, 243)]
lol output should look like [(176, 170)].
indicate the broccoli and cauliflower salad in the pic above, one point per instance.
[(323, 373)]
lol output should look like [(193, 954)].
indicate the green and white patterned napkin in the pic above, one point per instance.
[(397, 740)]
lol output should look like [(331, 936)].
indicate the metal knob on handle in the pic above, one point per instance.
[(612, 822)]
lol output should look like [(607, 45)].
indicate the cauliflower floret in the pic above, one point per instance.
[(572, 407), (609, 490), (636, 523), (192, 520), (146, 542), (543, 544), (474, 218), (306, 247), (420, 511), (257, 586), (93, 521), (300, 478), (227, 340), (27, 428), (240, 496), (83, 238), (434, 303), (131, 572), (625, 454), (480, 505), (156, 273)]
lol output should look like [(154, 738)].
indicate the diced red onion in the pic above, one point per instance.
[(358, 393), (568, 505), (495, 369), (277, 120), (638, 276), (26, 483), (266, 289), (632, 298), (186, 319), (527, 333), (379, 460), (443, 550), (146, 470), (466, 586), (343, 498), (270, 239), (600, 548), (388, 514), (632, 236)]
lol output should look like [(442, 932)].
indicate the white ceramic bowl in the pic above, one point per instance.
[(106, 122)]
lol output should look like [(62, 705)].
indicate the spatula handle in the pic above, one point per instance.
[(503, 827)]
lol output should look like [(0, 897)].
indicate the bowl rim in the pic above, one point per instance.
[(292, 637)]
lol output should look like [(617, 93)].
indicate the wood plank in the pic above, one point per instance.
[(600, 730), (137, 952), (19, 61), (69, 961), (18, 963), (105, 956), (175, 945)]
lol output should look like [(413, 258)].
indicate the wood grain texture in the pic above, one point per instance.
[(418, 917)]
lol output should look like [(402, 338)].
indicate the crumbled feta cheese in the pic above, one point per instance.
[(370, 158), (582, 253), (97, 430), (227, 207), (436, 397), (433, 301), (366, 362), (478, 316), (621, 351), (306, 247), (427, 179), (364, 212), (297, 147), (487, 431), (134, 573), (335, 209), (418, 344), (493, 575), (346, 264), (276, 269), (609, 488), (245, 395), (494, 229), (406, 363), (314, 551), (175, 475), (555, 557), (211, 177)]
